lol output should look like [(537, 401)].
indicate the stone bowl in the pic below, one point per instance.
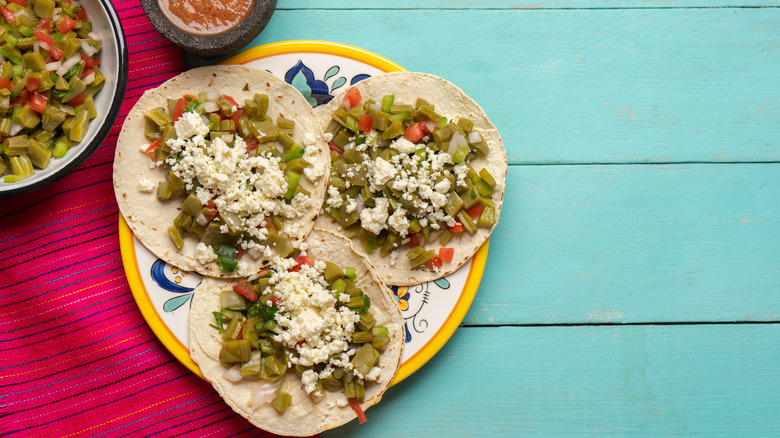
[(214, 45)]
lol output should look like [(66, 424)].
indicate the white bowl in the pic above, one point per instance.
[(114, 66)]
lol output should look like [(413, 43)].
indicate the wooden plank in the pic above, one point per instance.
[(636, 243), (700, 380), (589, 86), (520, 4)]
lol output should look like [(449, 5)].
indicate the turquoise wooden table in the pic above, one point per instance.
[(633, 284)]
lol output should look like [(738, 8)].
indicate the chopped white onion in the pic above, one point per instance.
[(201, 220), (53, 66), (88, 49), (205, 119), (375, 107), (69, 63), (474, 137), (36, 47), (89, 78), (359, 205), (95, 36), (44, 46), (211, 95), (457, 140), (15, 128), (232, 374), (254, 253), (263, 393), (2, 58), (209, 106)]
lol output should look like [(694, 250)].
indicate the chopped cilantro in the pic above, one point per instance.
[(218, 318), (226, 257)]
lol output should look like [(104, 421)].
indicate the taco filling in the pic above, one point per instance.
[(237, 172), (306, 316), (402, 180)]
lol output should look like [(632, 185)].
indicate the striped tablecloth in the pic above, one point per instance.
[(76, 356)]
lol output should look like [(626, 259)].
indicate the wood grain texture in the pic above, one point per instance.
[(709, 380), (639, 243), (520, 4), (589, 86)]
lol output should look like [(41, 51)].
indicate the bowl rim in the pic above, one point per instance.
[(232, 39), (113, 111)]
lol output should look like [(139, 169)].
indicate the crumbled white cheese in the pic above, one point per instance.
[(205, 254), (381, 173), (404, 146), (146, 185), (374, 219), (308, 320), (309, 379), (190, 124), (398, 222), (373, 374), (334, 197), (247, 188)]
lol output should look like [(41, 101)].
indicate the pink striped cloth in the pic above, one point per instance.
[(77, 358)]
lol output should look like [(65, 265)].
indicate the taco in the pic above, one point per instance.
[(221, 168), (417, 174), (301, 348)]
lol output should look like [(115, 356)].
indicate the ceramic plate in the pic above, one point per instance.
[(318, 69)]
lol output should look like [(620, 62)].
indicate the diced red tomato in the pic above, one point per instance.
[(210, 204), (178, 110), (415, 132), (428, 126), (446, 254), (263, 273), (88, 62), (302, 260), (275, 301), (236, 117), (76, 101), (44, 25), (458, 228), (66, 24), (239, 252), (6, 83), (231, 100), (366, 122), (251, 143), (241, 331), (435, 262), (23, 98), (55, 51), (246, 289), (8, 15), (38, 102), (335, 148), (87, 71), (474, 211), (150, 150), (22, 3), (96, 61), (415, 240), (352, 98), (268, 223), (32, 83), (80, 14), (358, 410), (43, 36)]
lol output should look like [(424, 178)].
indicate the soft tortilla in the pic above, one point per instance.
[(303, 417), (148, 217), (450, 101)]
